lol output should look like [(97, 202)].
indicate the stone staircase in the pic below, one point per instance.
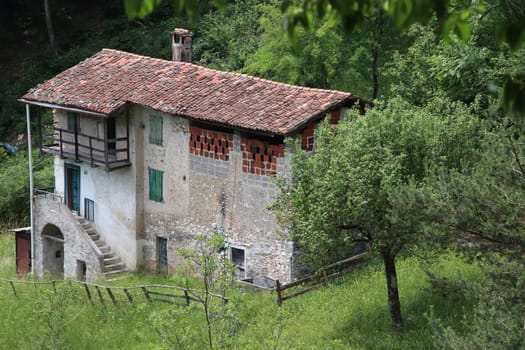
[(113, 265)]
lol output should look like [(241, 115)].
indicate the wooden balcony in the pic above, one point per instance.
[(111, 154)]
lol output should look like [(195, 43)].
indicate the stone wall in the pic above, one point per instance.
[(77, 246), (229, 177)]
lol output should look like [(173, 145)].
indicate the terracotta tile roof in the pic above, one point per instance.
[(108, 80)]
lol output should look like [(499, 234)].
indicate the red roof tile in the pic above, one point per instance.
[(108, 80)]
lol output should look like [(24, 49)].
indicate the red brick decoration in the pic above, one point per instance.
[(335, 116), (210, 144), (259, 157), (308, 134), (308, 137)]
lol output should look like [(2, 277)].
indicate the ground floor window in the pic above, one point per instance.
[(162, 254), (238, 258), (81, 270)]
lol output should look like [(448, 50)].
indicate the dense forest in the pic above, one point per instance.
[(438, 163)]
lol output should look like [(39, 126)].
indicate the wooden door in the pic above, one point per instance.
[(23, 253), (72, 187)]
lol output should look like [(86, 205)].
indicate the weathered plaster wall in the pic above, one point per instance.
[(112, 192)]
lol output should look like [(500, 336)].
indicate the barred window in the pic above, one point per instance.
[(89, 209)]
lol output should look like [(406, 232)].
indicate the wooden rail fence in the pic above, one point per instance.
[(95, 293), (320, 279)]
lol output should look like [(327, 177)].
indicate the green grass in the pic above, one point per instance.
[(7, 254), (350, 313)]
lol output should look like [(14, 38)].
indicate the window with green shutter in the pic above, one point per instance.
[(155, 130), (155, 185)]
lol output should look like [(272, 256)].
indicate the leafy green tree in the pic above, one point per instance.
[(317, 61), (367, 178), (182, 327), (224, 39), (14, 185), (453, 18), (485, 208)]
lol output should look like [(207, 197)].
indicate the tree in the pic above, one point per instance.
[(318, 61), (49, 25), (227, 38), (367, 179), (453, 18), (176, 326), (484, 206)]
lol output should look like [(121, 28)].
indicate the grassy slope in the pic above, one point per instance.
[(350, 314)]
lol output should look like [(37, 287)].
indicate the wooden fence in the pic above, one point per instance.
[(95, 293), (320, 279)]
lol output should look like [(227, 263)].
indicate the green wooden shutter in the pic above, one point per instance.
[(155, 185), (155, 131)]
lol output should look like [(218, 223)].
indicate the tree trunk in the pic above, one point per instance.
[(49, 25), (393, 295), (375, 82)]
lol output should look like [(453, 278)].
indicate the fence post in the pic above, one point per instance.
[(325, 278), (111, 295), (13, 287), (146, 294), (87, 292), (187, 297), (128, 295), (100, 295), (278, 289)]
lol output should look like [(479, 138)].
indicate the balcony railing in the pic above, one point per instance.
[(48, 193), (108, 153)]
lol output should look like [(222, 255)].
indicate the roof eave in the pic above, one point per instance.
[(349, 101), (65, 108)]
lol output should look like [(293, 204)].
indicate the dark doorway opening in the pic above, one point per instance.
[(53, 251), (237, 257), (111, 135)]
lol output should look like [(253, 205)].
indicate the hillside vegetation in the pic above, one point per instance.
[(437, 166), (348, 314)]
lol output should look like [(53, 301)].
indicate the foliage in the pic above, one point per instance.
[(7, 253), (14, 185), (317, 62), (215, 274), (367, 180), (485, 208), (225, 39), (54, 310), (315, 320)]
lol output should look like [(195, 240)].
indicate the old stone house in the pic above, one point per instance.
[(149, 153)]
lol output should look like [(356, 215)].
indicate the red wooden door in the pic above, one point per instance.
[(23, 253)]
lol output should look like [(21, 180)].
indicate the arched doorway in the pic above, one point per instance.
[(53, 251)]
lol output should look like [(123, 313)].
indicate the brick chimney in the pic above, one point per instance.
[(181, 45)]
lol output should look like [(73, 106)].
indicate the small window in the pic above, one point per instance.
[(155, 130), (89, 209), (162, 253), (155, 185), (81, 270), (73, 122), (237, 257)]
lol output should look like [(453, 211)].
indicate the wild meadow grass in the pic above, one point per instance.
[(7, 254), (351, 313)]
